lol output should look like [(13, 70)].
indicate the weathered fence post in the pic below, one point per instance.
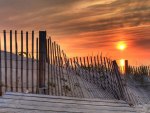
[(42, 59), (126, 66)]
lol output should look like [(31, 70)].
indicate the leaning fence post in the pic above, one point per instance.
[(119, 81), (42, 59)]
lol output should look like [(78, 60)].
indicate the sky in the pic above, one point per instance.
[(86, 27)]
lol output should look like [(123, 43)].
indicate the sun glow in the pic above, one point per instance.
[(121, 46), (122, 62)]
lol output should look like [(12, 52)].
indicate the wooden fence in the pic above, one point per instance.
[(34, 66), (139, 70), (20, 68), (139, 73), (98, 70)]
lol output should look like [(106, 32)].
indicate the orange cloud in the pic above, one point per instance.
[(85, 27)]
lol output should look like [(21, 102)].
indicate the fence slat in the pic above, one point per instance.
[(48, 58), (16, 48), (27, 71), (89, 70), (71, 78), (85, 66), (54, 75), (37, 66), (62, 74), (5, 57), (92, 69), (58, 71), (51, 68), (103, 72), (22, 61), (32, 62), (11, 75)]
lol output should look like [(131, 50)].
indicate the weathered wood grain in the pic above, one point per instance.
[(17, 102)]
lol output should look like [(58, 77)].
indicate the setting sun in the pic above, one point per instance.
[(121, 46)]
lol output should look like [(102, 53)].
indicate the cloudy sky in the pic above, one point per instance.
[(85, 27)]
